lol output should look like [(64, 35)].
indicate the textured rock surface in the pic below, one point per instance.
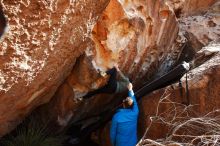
[(203, 85), (127, 33), (204, 27), (190, 7), (49, 44), (200, 30), (170, 106), (39, 50)]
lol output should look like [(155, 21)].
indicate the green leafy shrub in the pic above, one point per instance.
[(32, 133)]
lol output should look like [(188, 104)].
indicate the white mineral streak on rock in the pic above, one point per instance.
[(116, 40), (21, 64), (4, 47), (88, 51), (90, 25), (51, 5), (213, 48), (130, 9), (25, 2), (205, 27), (2, 81)]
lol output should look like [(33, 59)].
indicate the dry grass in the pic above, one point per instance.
[(184, 129)]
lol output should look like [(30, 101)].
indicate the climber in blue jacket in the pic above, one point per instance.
[(123, 130)]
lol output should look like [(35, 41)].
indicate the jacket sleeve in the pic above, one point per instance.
[(123, 77), (135, 106), (113, 131), (111, 71)]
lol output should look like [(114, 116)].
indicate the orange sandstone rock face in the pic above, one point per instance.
[(140, 36), (63, 44), (189, 7), (43, 40), (200, 30)]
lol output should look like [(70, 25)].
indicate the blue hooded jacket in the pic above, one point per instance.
[(123, 130)]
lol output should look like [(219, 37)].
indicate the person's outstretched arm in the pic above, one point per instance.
[(131, 94), (122, 76), (113, 131)]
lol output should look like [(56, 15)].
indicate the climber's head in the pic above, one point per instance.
[(128, 102)]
